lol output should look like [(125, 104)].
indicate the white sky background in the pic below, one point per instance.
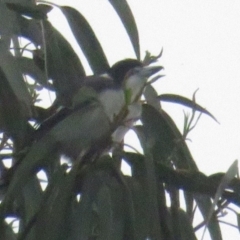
[(201, 43)]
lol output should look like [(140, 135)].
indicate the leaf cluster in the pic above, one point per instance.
[(90, 197)]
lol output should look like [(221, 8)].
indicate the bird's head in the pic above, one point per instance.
[(120, 69)]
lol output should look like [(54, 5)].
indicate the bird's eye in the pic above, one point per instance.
[(132, 71)]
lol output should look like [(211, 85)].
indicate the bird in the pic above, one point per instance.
[(126, 77), (92, 122)]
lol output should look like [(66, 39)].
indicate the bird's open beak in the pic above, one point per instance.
[(148, 71)]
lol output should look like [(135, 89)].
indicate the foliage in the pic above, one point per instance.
[(89, 197)]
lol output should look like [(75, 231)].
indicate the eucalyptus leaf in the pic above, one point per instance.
[(7, 232), (185, 102), (8, 23), (125, 14), (150, 183), (227, 178), (13, 74), (30, 29), (111, 210), (67, 78), (14, 114), (87, 40), (37, 11), (29, 67), (185, 226), (32, 194), (51, 219), (164, 137)]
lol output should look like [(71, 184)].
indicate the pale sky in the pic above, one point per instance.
[(201, 49)]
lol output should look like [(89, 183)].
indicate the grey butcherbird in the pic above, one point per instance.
[(115, 105), (94, 119)]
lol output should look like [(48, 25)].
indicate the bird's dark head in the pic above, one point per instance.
[(120, 69)]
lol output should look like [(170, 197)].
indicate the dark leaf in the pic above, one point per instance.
[(227, 178), (238, 221), (13, 114), (167, 145), (150, 184), (204, 203), (161, 140), (13, 74), (139, 189), (111, 210), (84, 219), (29, 67), (185, 102), (37, 11), (101, 210), (30, 29), (51, 221), (87, 40), (185, 226), (32, 194), (8, 23), (189, 200), (125, 14), (7, 232), (35, 159), (136, 161), (141, 207), (66, 77)]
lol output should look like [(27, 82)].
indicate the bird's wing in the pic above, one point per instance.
[(82, 130)]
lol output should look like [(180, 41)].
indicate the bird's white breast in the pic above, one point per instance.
[(112, 101)]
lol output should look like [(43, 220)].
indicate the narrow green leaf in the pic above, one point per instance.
[(167, 144), (29, 67), (111, 209), (136, 161), (87, 40), (141, 206), (7, 232), (8, 23), (30, 29), (14, 114), (189, 201), (185, 102), (125, 14), (11, 70), (204, 203), (185, 226), (66, 77), (139, 189), (34, 160), (37, 11), (84, 220), (102, 208), (32, 194), (227, 178), (150, 184), (160, 137), (51, 221), (238, 221), (167, 141)]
